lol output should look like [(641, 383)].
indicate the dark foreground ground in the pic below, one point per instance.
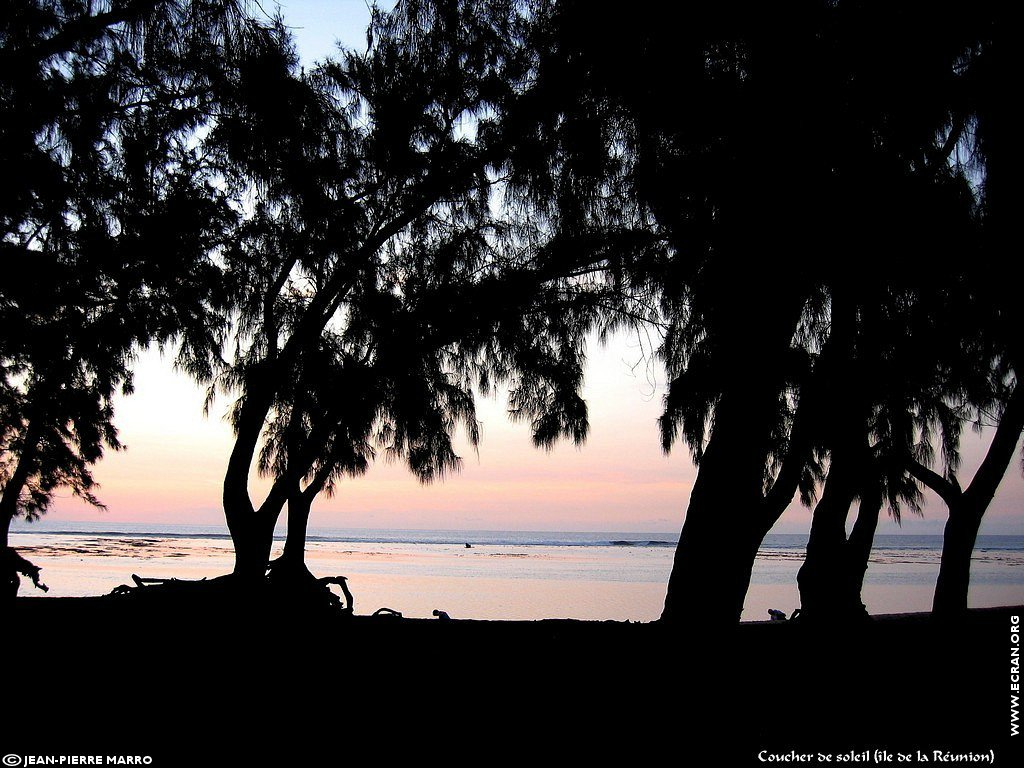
[(242, 685)]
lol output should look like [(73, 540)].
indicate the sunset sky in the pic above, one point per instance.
[(619, 481)]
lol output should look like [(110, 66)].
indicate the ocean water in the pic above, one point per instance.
[(502, 574)]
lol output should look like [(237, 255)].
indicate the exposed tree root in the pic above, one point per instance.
[(288, 585)]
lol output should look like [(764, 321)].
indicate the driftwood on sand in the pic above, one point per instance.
[(299, 591)]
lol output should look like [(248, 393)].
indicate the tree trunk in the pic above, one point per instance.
[(862, 539), (958, 541), (712, 567), (724, 525), (9, 580), (5, 524), (18, 480), (824, 577), (253, 540), (298, 520), (14, 564), (289, 572), (9, 505), (9, 509), (291, 566), (727, 516), (252, 531), (967, 508)]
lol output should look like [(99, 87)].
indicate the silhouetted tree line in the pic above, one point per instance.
[(810, 200)]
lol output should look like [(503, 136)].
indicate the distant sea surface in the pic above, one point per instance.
[(502, 574)]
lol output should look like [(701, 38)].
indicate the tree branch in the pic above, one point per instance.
[(1000, 452), (84, 29), (947, 491), (319, 481), (943, 153)]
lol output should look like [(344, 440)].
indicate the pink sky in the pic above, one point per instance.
[(618, 481)]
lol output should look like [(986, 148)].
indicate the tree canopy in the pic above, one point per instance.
[(111, 218)]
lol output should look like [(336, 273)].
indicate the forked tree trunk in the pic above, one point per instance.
[(968, 507), (253, 539), (252, 531), (831, 579), (292, 562), (824, 577)]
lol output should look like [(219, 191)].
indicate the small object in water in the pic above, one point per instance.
[(441, 615), (776, 615)]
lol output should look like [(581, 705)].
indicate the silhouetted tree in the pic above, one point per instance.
[(944, 344), (863, 136), (781, 152), (967, 506), (856, 381), (424, 358), (982, 114), (109, 215), (378, 280)]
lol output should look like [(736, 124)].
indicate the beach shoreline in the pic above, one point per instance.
[(508, 575)]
